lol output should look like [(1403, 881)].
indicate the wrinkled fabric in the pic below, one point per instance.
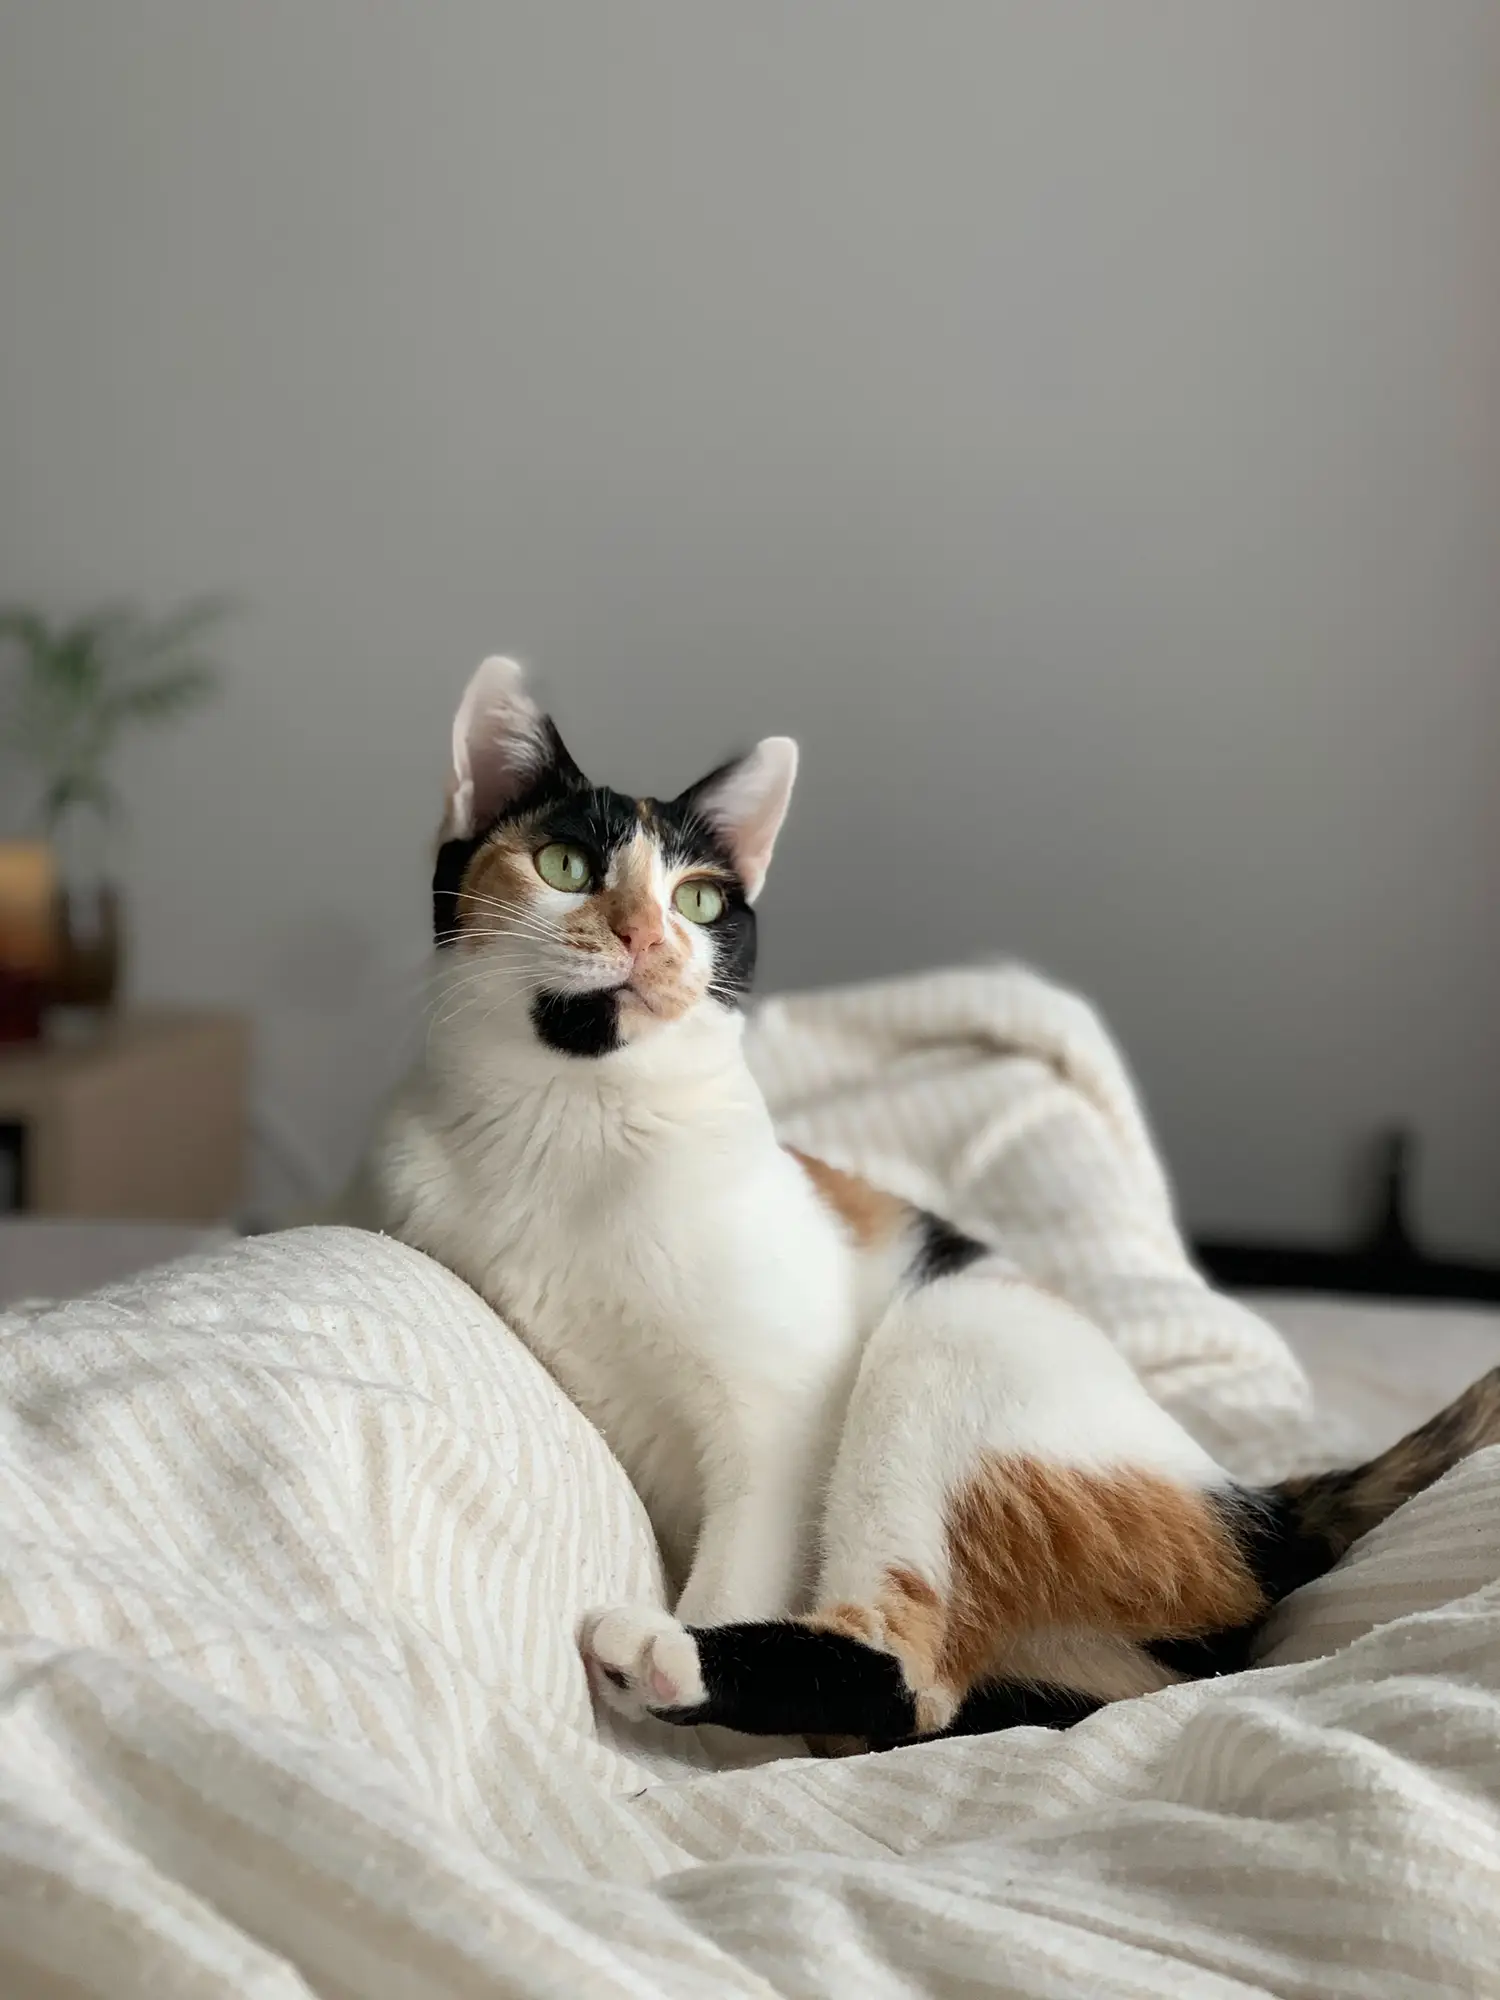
[(294, 1538)]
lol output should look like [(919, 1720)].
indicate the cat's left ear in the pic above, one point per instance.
[(503, 748), (745, 803)]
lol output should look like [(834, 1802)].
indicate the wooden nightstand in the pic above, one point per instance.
[(144, 1118)]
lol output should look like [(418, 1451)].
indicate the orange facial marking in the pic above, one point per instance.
[(630, 904), (501, 878)]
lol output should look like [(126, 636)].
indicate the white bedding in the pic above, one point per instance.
[(1384, 1364), (296, 1536)]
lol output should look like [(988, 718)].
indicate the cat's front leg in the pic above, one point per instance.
[(751, 1559), (640, 1659), (750, 1563)]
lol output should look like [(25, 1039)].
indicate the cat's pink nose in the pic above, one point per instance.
[(638, 932)]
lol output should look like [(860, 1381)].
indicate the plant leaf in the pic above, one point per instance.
[(26, 630), (189, 622), (167, 641), (77, 788), (81, 681), (174, 691)]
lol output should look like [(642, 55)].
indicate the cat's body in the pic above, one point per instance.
[(903, 1490), (604, 1216)]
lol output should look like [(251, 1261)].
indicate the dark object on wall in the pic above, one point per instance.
[(1388, 1263), (21, 999), (12, 1166)]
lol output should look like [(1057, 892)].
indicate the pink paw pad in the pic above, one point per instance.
[(639, 1658)]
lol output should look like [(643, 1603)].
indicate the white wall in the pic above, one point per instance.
[(1080, 423)]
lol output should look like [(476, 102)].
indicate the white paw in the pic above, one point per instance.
[(639, 1659)]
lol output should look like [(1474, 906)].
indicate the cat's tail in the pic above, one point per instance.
[(1289, 1534), (1297, 1530)]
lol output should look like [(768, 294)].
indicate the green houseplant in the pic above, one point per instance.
[(72, 688)]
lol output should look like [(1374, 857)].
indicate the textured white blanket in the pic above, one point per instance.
[(295, 1538)]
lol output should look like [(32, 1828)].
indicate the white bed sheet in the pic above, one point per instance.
[(1380, 1366), (295, 1538)]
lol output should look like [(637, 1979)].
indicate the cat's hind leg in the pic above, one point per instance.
[(1009, 1519)]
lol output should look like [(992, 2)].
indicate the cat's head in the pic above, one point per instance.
[(581, 915)]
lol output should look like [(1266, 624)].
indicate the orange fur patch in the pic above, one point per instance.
[(915, 1620), (1057, 1575), (855, 1621), (630, 902), (1129, 1554), (916, 1624), (907, 1620), (871, 1215)]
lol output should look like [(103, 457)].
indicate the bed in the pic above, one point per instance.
[(297, 1536)]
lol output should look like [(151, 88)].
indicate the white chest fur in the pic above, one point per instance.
[(640, 1228)]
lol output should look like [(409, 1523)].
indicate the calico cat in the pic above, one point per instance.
[(908, 1492)]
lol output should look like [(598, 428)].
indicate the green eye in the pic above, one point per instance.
[(699, 902), (563, 867)]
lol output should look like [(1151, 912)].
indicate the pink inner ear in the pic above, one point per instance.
[(499, 747), (748, 804)]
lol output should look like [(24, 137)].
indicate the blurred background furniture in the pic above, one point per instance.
[(142, 1117)]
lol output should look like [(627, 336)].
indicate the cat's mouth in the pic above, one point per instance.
[(628, 990)]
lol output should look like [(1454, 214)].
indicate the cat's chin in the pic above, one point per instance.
[(597, 1022), (578, 1024), (645, 1008)]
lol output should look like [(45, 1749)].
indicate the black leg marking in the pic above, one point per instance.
[(790, 1680), (1020, 1705), (1211, 1654)]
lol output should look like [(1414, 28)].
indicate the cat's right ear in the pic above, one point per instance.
[(503, 748)]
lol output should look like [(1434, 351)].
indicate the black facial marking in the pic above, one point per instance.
[(452, 864), (788, 1680), (592, 817), (690, 838), (942, 1251), (734, 944), (578, 1024), (560, 773)]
